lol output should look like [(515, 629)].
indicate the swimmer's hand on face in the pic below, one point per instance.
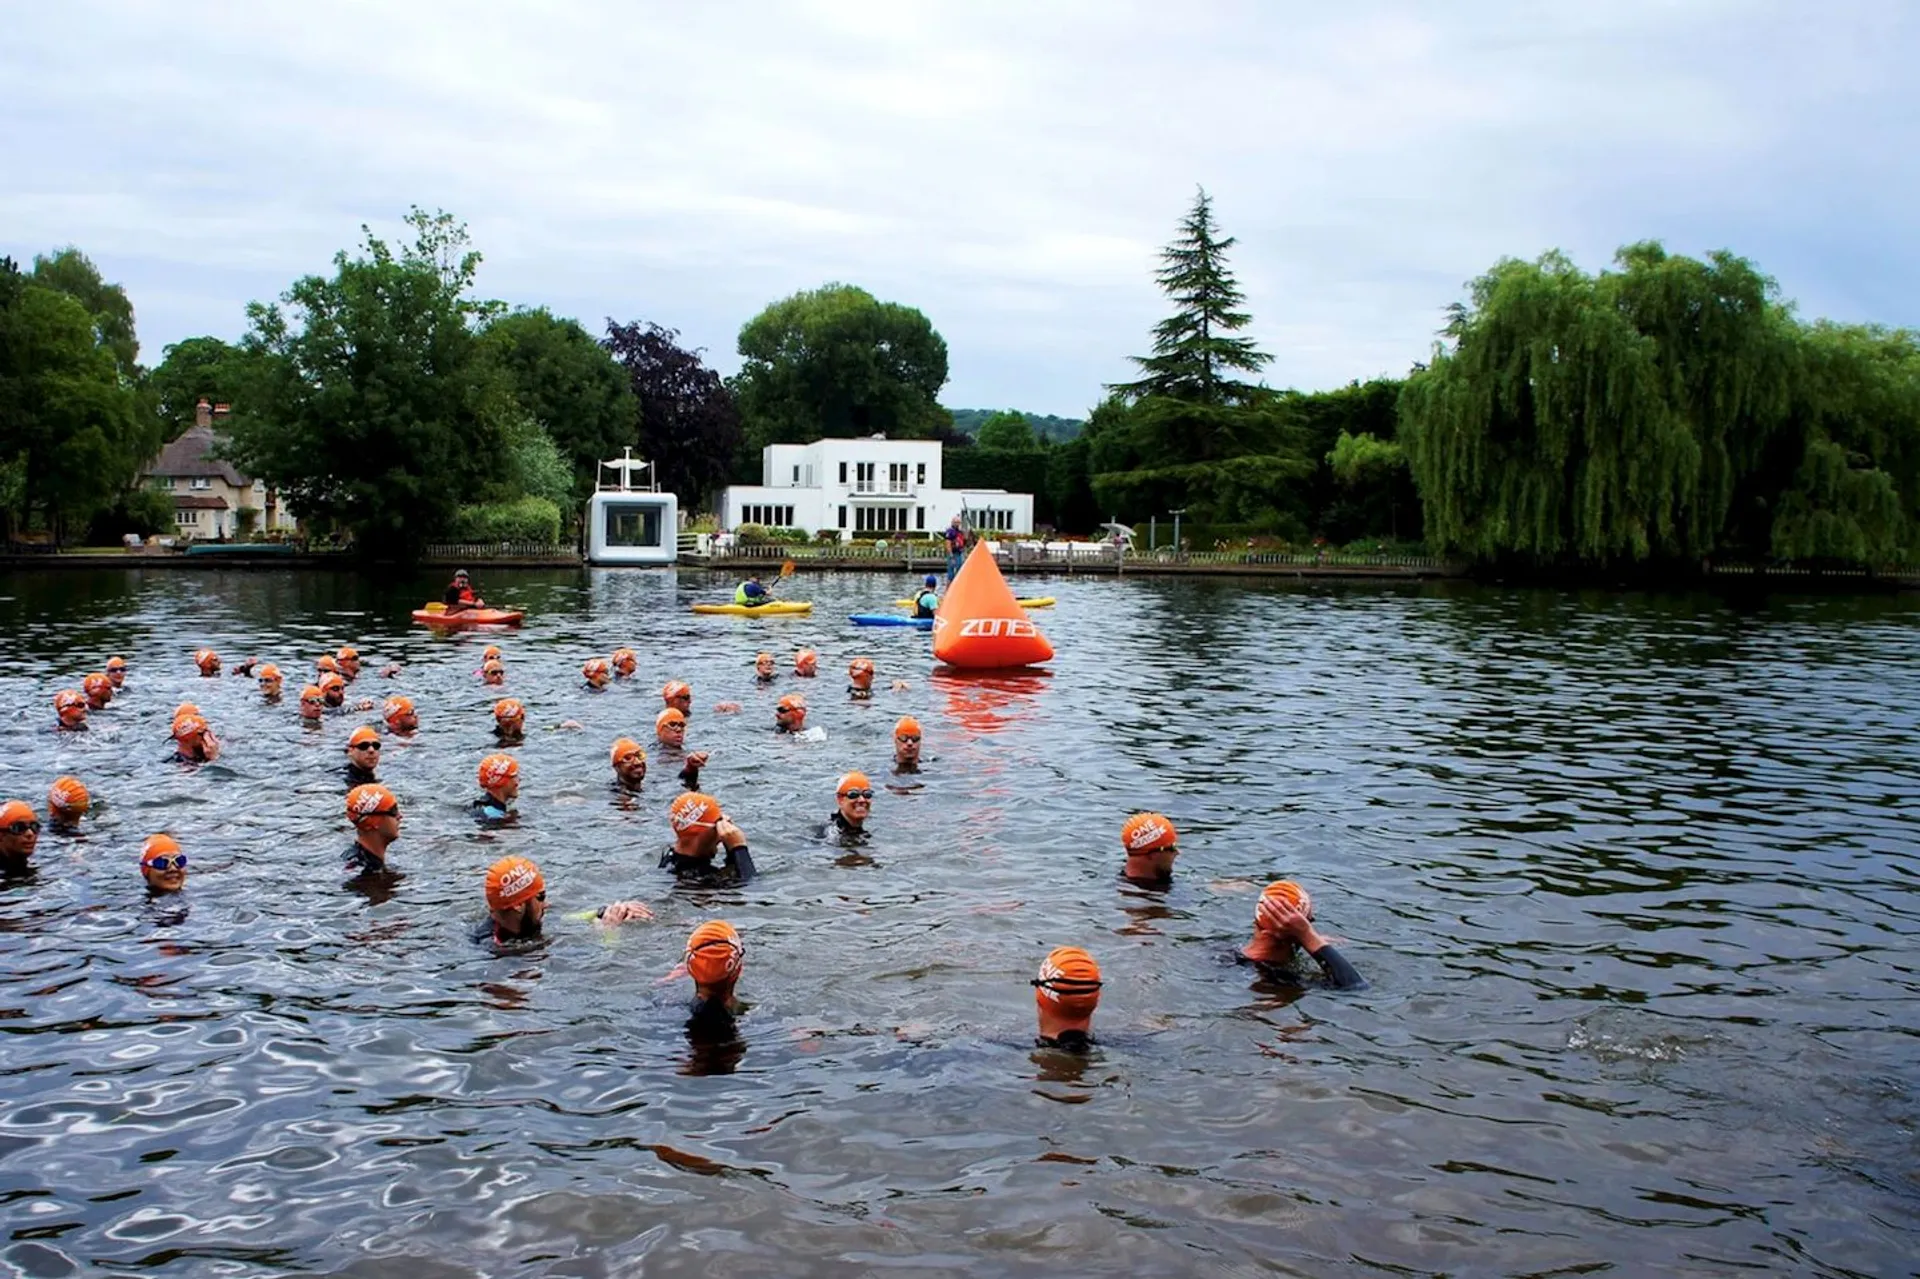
[(1293, 924), (731, 836), (625, 913)]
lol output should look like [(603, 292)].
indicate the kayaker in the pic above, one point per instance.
[(375, 815), (363, 757), (906, 745), (500, 785), (1065, 993), (163, 865), (929, 597), (701, 836), (1151, 843), (459, 595), (752, 593), (19, 835), (1283, 927)]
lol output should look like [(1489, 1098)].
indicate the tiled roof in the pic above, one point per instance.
[(190, 502), (191, 455)]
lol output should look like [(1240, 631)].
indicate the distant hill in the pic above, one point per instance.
[(1044, 425)]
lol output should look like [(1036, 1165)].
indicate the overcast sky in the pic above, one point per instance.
[(1008, 168)]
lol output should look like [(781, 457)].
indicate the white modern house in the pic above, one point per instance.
[(870, 485)]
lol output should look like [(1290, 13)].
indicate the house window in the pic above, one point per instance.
[(186, 517), (863, 477), (920, 516), (896, 477), (920, 473), (796, 475), (843, 517), (202, 482), (843, 479)]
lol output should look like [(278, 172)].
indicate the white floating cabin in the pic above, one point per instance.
[(631, 524)]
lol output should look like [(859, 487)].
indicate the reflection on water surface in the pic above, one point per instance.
[(1632, 878)]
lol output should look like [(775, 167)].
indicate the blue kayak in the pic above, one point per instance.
[(889, 619)]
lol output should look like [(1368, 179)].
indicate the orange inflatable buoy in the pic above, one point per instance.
[(980, 626)]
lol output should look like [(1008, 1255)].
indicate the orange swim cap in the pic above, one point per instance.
[(508, 708), (158, 846), (498, 770), (1284, 890), (596, 668), (325, 663), (511, 881), (791, 702), (1147, 833), (205, 657), (394, 707), (851, 781), (676, 688), (348, 653), (97, 683), (714, 953), (362, 734), (667, 719), (806, 660), (370, 801), (69, 698), (185, 708), (330, 681), (491, 653), (312, 693), (187, 725), (625, 746), (906, 726), (1069, 982), (691, 810), (860, 666), (269, 671), (17, 810), (116, 663), (68, 797), (492, 666)]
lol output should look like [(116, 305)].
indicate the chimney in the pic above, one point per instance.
[(222, 410), (203, 413)]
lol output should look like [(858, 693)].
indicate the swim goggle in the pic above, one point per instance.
[(166, 861), (738, 949), (29, 827), (1067, 985), (912, 739), (856, 793), (366, 746)]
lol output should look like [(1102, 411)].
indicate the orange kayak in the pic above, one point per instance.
[(437, 615)]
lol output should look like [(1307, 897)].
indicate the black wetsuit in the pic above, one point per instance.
[(359, 861), (488, 811), (487, 930), (1335, 972), (358, 776), (1067, 1041), (839, 829), (737, 868)]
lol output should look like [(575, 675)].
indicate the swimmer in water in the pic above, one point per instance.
[(163, 865), (500, 783), (790, 714), (509, 721), (400, 715), (860, 678), (678, 695), (492, 653), (517, 904), (67, 802), (906, 745), (193, 741), (1282, 928), (625, 663), (1151, 843), (670, 727), (806, 663), (853, 804), (271, 682), (348, 661), (326, 664), (313, 704), (1064, 995), (629, 763), (117, 672), (493, 672), (333, 689), (70, 710), (363, 757), (375, 815), (597, 672), (208, 661), (701, 836), (19, 836), (763, 668), (715, 957), (98, 689)]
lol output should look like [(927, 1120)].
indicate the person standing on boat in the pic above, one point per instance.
[(956, 539), (459, 596)]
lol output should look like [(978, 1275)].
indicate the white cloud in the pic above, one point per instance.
[(1009, 168)]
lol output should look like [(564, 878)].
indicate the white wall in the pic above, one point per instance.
[(863, 487)]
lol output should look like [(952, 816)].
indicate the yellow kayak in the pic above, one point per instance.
[(1038, 601), (756, 610)]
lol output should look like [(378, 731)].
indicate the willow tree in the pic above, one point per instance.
[(1598, 418)]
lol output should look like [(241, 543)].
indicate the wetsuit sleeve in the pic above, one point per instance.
[(1339, 973), (740, 862), (690, 774)]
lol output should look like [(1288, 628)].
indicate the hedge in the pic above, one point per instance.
[(530, 519)]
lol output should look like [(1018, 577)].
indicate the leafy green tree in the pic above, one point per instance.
[(689, 427), (190, 371), (837, 362), (1006, 430), (570, 385), (373, 407), (73, 273)]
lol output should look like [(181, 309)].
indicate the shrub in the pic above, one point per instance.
[(527, 519)]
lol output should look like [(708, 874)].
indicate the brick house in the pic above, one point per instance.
[(208, 492)]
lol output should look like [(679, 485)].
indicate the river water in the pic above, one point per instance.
[(1632, 877)]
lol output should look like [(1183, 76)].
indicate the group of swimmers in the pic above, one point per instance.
[(707, 848)]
